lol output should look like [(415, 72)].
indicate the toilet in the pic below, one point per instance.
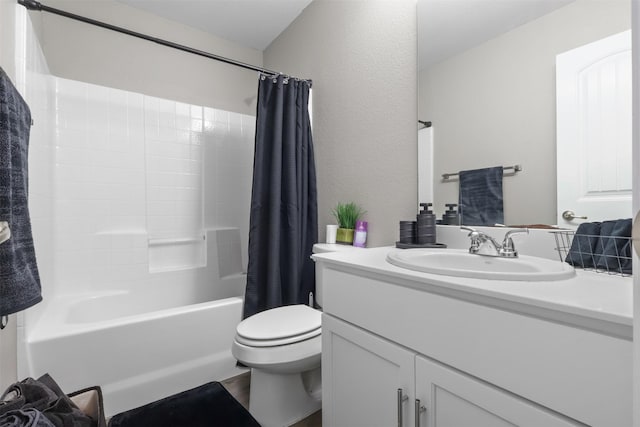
[(282, 346)]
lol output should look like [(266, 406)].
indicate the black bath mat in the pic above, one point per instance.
[(209, 405)]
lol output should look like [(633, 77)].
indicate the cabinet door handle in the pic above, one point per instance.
[(401, 398), (419, 409)]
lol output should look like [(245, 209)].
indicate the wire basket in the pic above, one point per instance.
[(603, 254)]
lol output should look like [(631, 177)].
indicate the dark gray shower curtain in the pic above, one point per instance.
[(284, 213)]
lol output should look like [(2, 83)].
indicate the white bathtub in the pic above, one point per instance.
[(138, 346)]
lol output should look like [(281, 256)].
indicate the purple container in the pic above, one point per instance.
[(360, 234)]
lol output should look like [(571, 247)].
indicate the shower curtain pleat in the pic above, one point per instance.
[(283, 223)]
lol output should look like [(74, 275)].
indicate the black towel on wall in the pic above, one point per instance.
[(19, 278), (480, 200)]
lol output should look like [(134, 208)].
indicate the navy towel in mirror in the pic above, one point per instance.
[(583, 245), (480, 199), (613, 251)]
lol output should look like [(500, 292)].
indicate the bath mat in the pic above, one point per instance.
[(209, 405)]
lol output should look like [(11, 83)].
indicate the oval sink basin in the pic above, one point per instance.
[(460, 263)]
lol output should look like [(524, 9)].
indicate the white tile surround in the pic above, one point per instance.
[(130, 191), (123, 186)]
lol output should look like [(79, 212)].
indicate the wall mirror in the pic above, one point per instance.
[(487, 84)]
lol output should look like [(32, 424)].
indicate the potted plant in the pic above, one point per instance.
[(346, 214)]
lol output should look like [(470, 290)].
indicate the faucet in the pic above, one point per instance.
[(483, 244)]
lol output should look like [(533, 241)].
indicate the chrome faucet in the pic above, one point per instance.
[(483, 244)]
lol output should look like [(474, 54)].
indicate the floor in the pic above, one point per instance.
[(239, 387)]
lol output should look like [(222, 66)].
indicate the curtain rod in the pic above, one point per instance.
[(35, 5)]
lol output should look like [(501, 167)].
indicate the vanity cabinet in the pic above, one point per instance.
[(365, 373), (471, 360), (375, 382), (453, 399)]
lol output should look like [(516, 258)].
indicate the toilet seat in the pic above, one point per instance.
[(291, 358), (279, 326)]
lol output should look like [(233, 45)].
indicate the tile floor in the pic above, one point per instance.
[(239, 387)]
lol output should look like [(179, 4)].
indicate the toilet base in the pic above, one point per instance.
[(278, 400)]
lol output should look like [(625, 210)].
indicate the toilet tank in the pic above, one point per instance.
[(319, 248)]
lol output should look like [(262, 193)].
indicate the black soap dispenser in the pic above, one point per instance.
[(426, 225), (451, 216)]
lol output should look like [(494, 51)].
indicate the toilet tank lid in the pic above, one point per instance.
[(280, 322)]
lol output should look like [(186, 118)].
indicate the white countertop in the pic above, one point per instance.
[(591, 296)]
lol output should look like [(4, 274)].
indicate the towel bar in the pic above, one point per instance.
[(515, 168)]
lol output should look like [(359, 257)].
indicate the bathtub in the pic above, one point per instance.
[(135, 350)]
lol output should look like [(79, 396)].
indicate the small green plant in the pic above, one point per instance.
[(347, 214)]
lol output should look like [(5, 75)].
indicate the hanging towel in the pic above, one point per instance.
[(480, 200), (19, 278)]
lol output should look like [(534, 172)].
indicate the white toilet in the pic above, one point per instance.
[(282, 346)]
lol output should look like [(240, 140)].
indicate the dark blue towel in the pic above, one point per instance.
[(583, 246), (480, 200), (19, 278), (40, 403), (603, 246), (25, 418), (613, 251)]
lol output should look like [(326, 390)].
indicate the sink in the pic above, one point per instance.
[(460, 263)]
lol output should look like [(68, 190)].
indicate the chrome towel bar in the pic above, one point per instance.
[(514, 168)]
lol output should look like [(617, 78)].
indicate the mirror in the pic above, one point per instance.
[(487, 84)]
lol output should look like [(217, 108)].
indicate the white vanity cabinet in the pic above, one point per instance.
[(470, 359), (375, 382), (452, 399), (365, 372)]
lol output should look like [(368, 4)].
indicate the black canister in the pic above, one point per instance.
[(407, 231), (451, 216), (426, 225)]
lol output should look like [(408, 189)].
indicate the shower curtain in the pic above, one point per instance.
[(283, 223)]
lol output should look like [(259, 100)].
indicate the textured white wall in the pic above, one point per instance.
[(83, 52), (361, 56), (495, 105)]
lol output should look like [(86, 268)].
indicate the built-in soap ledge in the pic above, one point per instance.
[(176, 241), (179, 253)]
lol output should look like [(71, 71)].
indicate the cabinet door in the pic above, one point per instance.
[(361, 376), (454, 399)]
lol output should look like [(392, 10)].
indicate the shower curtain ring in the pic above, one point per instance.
[(4, 321)]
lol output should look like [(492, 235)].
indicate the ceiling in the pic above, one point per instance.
[(445, 27)]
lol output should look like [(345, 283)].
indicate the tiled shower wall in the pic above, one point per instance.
[(131, 195), (36, 85)]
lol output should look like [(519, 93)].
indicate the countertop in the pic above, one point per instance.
[(591, 300)]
